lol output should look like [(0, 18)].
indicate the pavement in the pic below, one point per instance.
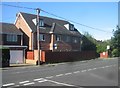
[(80, 74), (52, 64)]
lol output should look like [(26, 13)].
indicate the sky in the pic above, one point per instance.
[(101, 15)]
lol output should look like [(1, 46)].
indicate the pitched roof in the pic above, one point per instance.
[(59, 27), (8, 28)]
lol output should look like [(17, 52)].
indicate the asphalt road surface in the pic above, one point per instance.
[(81, 74)]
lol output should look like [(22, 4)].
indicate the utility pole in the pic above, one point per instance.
[(38, 35)]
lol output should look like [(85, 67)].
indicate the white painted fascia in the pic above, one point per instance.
[(23, 20)]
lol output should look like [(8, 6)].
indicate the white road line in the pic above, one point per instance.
[(60, 83), (44, 80), (59, 75), (76, 72), (10, 84), (68, 73), (83, 70), (95, 68), (107, 66), (38, 79), (28, 83), (49, 77), (24, 82), (89, 69)]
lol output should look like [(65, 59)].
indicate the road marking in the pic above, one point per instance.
[(10, 84), (44, 80), (89, 69), (38, 79), (28, 83), (83, 70), (94, 68), (60, 83), (49, 77), (59, 75), (68, 73), (24, 82), (76, 72)]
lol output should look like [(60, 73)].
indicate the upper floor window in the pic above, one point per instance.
[(42, 37), (11, 38), (58, 37), (71, 27), (41, 23)]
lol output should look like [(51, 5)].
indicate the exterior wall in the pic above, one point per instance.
[(45, 45), (63, 45), (30, 39), (21, 24), (5, 42)]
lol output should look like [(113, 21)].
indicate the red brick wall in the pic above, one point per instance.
[(104, 55), (30, 55)]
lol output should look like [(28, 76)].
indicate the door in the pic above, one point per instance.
[(16, 56)]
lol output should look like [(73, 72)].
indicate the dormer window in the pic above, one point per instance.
[(41, 23), (71, 27)]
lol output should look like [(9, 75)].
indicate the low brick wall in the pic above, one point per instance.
[(30, 55), (53, 57), (104, 55)]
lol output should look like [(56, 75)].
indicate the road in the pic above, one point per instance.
[(80, 74)]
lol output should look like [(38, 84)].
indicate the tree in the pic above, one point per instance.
[(115, 42), (88, 42)]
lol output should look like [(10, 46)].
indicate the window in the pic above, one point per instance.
[(67, 38), (41, 23), (42, 37), (71, 27), (58, 37), (11, 38), (75, 40)]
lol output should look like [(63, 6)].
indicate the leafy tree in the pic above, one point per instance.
[(88, 42), (102, 46), (115, 42)]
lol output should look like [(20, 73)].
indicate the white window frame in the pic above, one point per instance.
[(12, 38), (42, 37)]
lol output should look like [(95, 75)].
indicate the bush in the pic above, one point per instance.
[(115, 53)]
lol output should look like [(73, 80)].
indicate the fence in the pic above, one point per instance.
[(54, 57)]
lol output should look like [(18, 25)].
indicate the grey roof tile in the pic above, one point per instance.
[(8, 28), (59, 27)]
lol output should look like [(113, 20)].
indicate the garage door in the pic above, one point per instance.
[(16, 56)]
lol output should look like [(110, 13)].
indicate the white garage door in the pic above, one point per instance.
[(16, 56)]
